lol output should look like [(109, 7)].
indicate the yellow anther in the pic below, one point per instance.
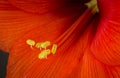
[(54, 48), (38, 45), (44, 54), (45, 44), (30, 42)]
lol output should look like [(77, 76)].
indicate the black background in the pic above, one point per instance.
[(3, 63)]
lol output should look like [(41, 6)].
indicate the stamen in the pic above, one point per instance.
[(38, 45), (44, 54), (54, 48), (30, 42), (43, 48), (45, 44)]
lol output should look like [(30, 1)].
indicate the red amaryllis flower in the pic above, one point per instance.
[(15, 22), (60, 39)]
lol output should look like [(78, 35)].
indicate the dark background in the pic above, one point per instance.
[(3, 63)]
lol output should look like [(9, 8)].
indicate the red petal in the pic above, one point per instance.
[(113, 71), (5, 5), (106, 44), (42, 6), (90, 67), (15, 23), (24, 62)]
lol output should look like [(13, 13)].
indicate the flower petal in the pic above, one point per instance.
[(42, 6), (5, 5), (15, 23), (24, 61), (91, 68), (106, 43), (113, 71)]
